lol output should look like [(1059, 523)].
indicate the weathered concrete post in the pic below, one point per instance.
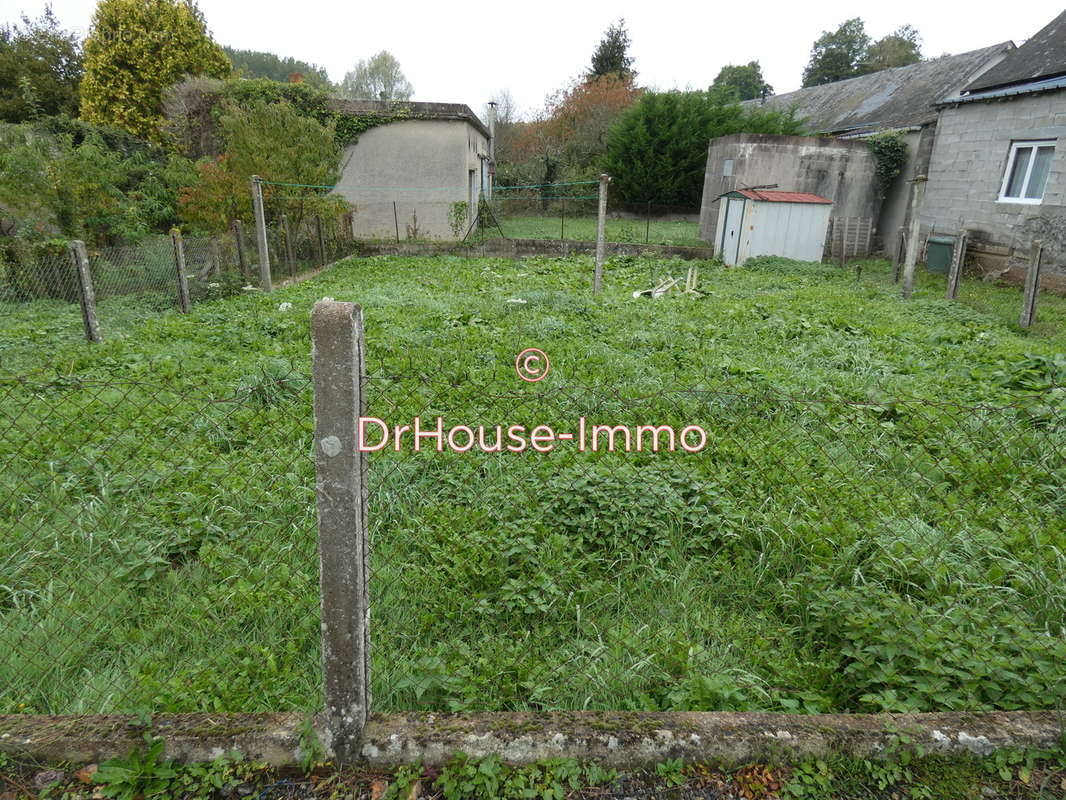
[(897, 253), (179, 270), (917, 194), (238, 237), (958, 261), (287, 233), (601, 235), (216, 256), (265, 281), (86, 296), (321, 241), (1032, 285), (337, 354)]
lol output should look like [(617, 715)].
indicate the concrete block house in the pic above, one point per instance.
[(988, 129), (837, 164), (998, 165), (420, 175)]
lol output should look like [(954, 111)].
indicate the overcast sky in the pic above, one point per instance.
[(465, 51)]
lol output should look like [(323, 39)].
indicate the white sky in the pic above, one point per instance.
[(463, 52)]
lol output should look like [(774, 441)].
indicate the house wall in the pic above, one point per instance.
[(423, 165), (966, 173), (839, 170)]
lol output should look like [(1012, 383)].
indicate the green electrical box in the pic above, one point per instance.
[(938, 254)]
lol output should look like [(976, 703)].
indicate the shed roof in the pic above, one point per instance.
[(891, 99), (773, 196), (414, 110), (1042, 56)]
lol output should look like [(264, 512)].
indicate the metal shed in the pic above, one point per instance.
[(761, 222)]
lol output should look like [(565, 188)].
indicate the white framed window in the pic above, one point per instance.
[(1027, 169)]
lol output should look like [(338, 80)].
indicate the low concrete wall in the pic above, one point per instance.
[(520, 248), (619, 740)]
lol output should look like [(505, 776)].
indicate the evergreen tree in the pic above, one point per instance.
[(657, 151), (259, 64), (612, 54)]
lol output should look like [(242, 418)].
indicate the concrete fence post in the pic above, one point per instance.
[(340, 482), (179, 270), (913, 235), (601, 235), (321, 241), (238, 238), (86, 296), (958, 261), (287, 233), (897, 253), (265, 281), (1032, 285), (216, 256)]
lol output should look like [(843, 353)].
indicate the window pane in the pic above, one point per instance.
[(1017, 173), (1038, 177)]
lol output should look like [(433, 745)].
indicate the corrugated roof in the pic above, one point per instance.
[(1043, 85), (773, 196), (416, 110), (1042, 56), (897, 98)]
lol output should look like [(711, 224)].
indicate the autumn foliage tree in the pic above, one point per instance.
[(137, 48), (568, 137)]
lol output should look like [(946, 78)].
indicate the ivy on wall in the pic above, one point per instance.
[(311, 102), (890, 154)]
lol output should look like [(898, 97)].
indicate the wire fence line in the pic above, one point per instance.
[(814, 554), (130, 281), (565, 211)]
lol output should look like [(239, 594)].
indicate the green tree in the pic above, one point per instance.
[(136, 49), (377, 78), (745, 81), (277, 142), (900, 48), (78, 183), (838, 55), (259, 64), (611, 56), (657, 151), (40, 68)]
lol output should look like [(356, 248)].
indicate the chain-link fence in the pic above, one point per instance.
[(552, 545), (159, 547), (40, 286), (569, 211), (560, 211)]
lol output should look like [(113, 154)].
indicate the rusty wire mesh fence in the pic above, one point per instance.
[(809, 554)]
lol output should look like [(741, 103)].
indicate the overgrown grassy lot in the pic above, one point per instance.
[(583, 228), (877, 521)]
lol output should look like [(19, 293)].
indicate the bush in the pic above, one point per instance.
[(657, 151)]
